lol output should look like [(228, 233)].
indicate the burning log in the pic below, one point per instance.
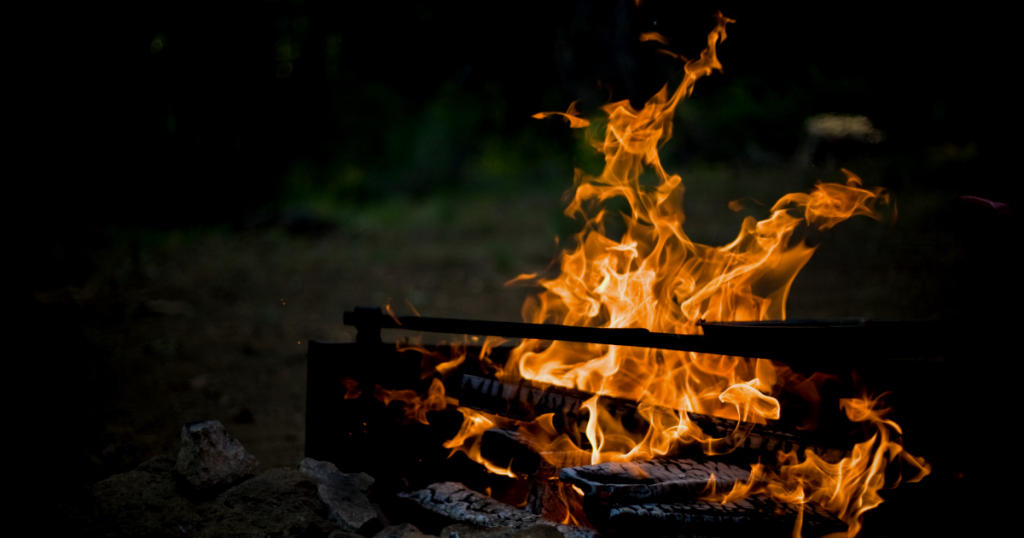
[(507, 449), (660, 495), (639, 481), (755, 515), (526, 401), (456, 501)]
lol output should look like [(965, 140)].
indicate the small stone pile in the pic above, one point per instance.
[(212, 489)]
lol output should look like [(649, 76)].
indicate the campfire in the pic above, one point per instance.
[(655, 383)]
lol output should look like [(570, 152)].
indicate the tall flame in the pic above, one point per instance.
[(848, 488), (637, 268), (654, 277)]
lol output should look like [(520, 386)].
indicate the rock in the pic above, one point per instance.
[(143, 502), (326, 471), (211, 457), (343, 495), (276, 502), (463, 530), (405, 530), (152, 501)]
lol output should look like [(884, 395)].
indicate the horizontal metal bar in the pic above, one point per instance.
[(849, 339)]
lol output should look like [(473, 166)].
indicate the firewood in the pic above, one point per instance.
[(757, 515), (555, 500), (508, 449), (456, 501), (639, 481), (527, 400)]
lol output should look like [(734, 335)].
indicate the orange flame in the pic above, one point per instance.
[(638, 269), (654, 277), (847, 488), (468, 439), (416, 406), (650, 275)]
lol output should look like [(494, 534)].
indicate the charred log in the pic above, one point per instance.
[(643, 481), (527, 400), (756, 515), (508, 450), (456, 501)]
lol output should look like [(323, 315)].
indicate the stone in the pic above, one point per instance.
[(210, 457), (326, 471), (405, 530), (152, 500), (343, 495), (274, 502), (143, 502)]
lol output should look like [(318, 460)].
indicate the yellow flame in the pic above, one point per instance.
[(848, 488), (650, 275), (467, 441)]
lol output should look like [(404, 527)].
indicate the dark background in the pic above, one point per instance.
[(177, 114), (211, 185)]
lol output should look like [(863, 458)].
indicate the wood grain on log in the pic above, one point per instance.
[(639, 481), (528, 400), (462, 504), (508, 449), (758, 514)]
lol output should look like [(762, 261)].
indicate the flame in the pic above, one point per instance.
[(637, 268), (653, 276), (467, 441), (848, 488), (414, 405), (352, 389)]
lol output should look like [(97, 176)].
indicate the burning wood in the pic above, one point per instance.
[(526, 401), (648, 329), (462, 504), (509, 449), (665, 493), (664, 479), (757, 515)]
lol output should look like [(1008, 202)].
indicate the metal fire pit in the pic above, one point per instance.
[(358, 433)]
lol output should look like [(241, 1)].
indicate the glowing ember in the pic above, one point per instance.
[(654, 277)]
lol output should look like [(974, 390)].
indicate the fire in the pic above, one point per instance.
[(848, 488), (414, 405), (639, 269), (654, 277), (467, 440)]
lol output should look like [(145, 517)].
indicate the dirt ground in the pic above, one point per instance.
[(214, 324)]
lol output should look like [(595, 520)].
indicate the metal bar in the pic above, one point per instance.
[(848, 340)]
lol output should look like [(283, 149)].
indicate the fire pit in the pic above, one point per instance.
[(402, 444), (656, 388)]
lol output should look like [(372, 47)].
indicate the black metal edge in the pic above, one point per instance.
[(843, 341)]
